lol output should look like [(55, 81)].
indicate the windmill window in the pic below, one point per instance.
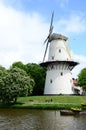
[(51, 81), (52, 57), (61, 73), (59, 50)]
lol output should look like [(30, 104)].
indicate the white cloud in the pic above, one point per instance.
[(74, 24), (82, 64), (21, 36)]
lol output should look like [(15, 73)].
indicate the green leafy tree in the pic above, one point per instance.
[(18, 64), (38, 74), (15, 83), (82, 79), (2, 71)]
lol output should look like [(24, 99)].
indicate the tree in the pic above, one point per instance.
[(2, 71), (82, 79), (18, 64), (38, 74), (15, 83)]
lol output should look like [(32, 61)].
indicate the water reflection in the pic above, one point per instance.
[(25, 119)]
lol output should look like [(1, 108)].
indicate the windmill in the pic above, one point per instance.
[(67, 49), (48, 37), (59, 64)]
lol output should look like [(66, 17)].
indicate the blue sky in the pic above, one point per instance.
[(24, 26)]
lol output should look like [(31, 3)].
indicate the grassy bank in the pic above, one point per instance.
[(55, 99), (48, 102)]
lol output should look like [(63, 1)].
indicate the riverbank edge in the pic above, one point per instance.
[(48, 102), (59, 106)]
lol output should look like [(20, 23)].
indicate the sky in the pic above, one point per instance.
[(24, 25)]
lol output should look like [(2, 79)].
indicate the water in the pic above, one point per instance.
[(26, 119)]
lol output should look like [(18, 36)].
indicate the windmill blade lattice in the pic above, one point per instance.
[(47, 39), (51, 25), (45, 51)]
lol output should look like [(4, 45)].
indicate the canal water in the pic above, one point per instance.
[(26, 119)]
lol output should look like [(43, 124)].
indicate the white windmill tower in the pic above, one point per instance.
[(59, 64)]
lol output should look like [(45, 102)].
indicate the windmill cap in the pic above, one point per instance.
[(56, 36)]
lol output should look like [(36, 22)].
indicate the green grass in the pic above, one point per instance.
[(48, 106), (55, 99), (44, 102)]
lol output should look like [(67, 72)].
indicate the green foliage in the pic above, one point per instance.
[(13, 84), (2, 71), (21, 80), (18, 64), (38, 74), (82, 78), (24, 82)]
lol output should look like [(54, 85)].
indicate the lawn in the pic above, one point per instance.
[(54, 99), (49, 102)]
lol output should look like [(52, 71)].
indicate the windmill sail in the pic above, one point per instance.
[(45, 51), (51, 24), (48, 37)]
